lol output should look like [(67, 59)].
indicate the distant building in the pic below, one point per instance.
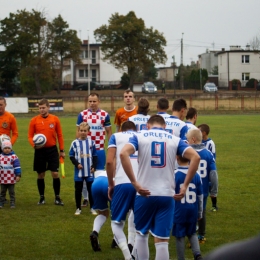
[(238, 63), (167, 73), (208, 60), (100, 71)]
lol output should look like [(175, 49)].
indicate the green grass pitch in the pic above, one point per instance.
[(52, 232)]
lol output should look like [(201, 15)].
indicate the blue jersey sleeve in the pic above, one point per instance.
[(112, 141), (182, 147), (134, 141), (107, 121), (183, 132), (79, 120)]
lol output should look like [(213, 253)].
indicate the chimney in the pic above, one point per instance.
[(85, 42), (223, 49)]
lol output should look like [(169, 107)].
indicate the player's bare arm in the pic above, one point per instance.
[(194, 158), (126, 151), (110, 167), (108, 132)]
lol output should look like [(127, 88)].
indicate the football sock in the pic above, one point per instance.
[(214, 202), (120, 238), (56, 186), (141, 249), (131, 228), (85, 191), (162, 251), (41, 186), (99, 222)]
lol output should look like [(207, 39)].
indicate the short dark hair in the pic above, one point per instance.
[(94, 94), (191, 113), (128, 91), (204, 128), (156, 119), (143, 106), (128, 125), (44, 101), (163, 103), (179, 104)]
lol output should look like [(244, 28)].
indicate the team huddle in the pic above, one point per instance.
[(157, 172)]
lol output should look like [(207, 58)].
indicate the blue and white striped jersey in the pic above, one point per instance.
[(83, 151)]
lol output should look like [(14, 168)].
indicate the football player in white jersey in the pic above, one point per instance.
[(191, 118), (175, 124), (154, 202), (210, 145), (121, 191), (162, 107), (141, 118)]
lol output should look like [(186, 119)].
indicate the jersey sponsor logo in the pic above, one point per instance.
[(96, 128), (4, 125), (141, 119), (83, 155)]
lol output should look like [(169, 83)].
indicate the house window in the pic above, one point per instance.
[(81, 55), (93, 56), (245, 76), (81, 73), (86, 73), (245, 58), (86, 54), (94, 75)]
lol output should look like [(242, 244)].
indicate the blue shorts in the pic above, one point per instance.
[(101, 159), (154, 214), (183, 229), (123, 200), (99, 191)]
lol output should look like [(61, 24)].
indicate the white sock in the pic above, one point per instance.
[(141, 249), (119, 236), (131, 228), (99, 222), (162, 251), (85, 191)]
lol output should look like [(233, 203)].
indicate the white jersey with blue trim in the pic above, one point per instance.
[(210, 145), (140, 121), (164, 115), (157, 150), (191, 126), (176, 127), (118, 141)]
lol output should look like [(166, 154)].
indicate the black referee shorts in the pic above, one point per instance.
[(45, 159)]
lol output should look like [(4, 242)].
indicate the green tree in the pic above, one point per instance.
[(214, 70), (125, 80), (64, 44), (128, 44)]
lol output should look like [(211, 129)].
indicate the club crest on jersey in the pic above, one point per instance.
[(51, 125), (4, 125)]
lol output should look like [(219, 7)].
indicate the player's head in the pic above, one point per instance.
[(128, 125), (83, 130), (2, 105), (93, 101), (156, 121), (44, 107), (192, 115), (204, 128), (182, 161), (143, 106), (6, 146), (129, 97), (180, 106), (162, 104), (194, 136)]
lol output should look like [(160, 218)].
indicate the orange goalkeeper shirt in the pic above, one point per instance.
[(49, 126), (122, 115), (8, 126)]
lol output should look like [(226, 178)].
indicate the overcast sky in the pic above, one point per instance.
[(205, 24)]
